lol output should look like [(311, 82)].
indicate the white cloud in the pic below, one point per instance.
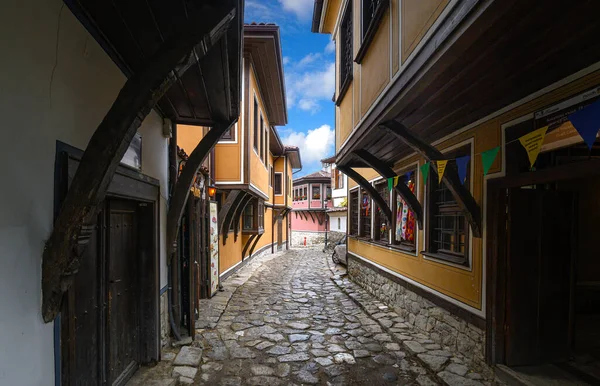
[(330, 48), (308, 59), (286, 60), (308, 105), (301, 8), (311, 86), (314, 145)]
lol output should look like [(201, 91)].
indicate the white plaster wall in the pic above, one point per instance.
[(35, 115), (333, 221)]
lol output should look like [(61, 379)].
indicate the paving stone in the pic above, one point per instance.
[(186, 381), (231, 381), (242, 353), (298, 325), (264, 381), (188, 356), (184, 371), (344, 358), (324, 361), (335, 348), (361, 354), (306, 377), (298, 357), (424, 380), (183, 342), (457, 380), (335, 370), (320, 353), (457, 369), (262, 370), (211, 367), (218, 353), (436, 363), (298, 337), (384, 359), (279, 350), (264, 345), (274, 337), (415, 347), (283, 370)]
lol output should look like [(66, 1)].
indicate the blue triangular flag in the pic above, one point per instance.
[(587, 122), (461, 164)]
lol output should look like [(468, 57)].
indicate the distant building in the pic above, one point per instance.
[(311, 198), (338, 217)]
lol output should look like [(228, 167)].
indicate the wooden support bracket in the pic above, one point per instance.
[(373, 193), (247, 245), (75, 222), (229, 205), (461, 194), (237, 196), (311, 216), (254, 244), (321, 218), (238, 216), (386, 172)]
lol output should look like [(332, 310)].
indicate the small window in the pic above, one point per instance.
[(382, 225), (365, 214), (265, 142), (354, 209), (316, 192), (372, 14), (405, 220), (339, 223), (339, 179), (271, 175), (305, 194), (255, 131), (448, 229), (328, 192), (278, 182), (346, 53), (254, 216), (249, 216)]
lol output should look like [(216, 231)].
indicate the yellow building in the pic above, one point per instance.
[(473, 260), (251, 168)]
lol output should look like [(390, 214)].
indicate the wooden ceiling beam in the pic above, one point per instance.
[(373, 193), (76, 220), (387, 172), (461, 194)]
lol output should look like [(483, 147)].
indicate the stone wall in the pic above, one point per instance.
[(447, 330), (164, 319), (312, 238)]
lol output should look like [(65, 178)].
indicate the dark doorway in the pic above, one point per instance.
[(279, 233)]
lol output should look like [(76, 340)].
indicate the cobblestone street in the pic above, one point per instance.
[(289, 323)]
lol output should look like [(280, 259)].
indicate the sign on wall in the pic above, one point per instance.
[(214, 248)]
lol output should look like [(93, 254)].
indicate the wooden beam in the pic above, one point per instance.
[(238, 215), (254, 244), (252, 237), (311, 216), (461, 194), (321, 218), (373, 193), (186, 179), (236, 200), (230, 204), (387, 172), (76, 220)]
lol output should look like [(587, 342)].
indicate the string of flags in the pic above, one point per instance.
[(586, 121)]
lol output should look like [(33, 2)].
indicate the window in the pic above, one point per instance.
[(346, 61), (254, 216), (365, 215), (354, 209), (265, 142), (447, 225), (339, 223), (255, 124), (371, 15), (328, 192), (262, 143), (229, 135), (339, 179), (382, 225), (271, 176), (305, 194), (405, 220), (278, 182), (316, 192)]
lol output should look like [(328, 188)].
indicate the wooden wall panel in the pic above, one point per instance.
[(345, 111), (375, 66), (417, 17), (395, 15), (331, 15), (259, 175)]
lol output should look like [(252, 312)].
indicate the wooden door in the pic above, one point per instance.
[(540, 247), (123, 317)]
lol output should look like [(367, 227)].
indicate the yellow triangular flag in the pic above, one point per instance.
[(395, 181), (441, 168), (533, 142)]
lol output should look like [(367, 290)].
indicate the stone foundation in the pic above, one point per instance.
[(164, 319), (446, 329)]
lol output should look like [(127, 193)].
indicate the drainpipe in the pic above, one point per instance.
[(173, 171), (273, 209)]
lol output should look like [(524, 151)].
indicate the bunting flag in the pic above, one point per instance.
[(390, 183), (461, 164), (533, 142), (425, 172), (441, 168), (487, 159), (587, 123), (396, 181)]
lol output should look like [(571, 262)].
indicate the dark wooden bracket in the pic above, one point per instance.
[(305, 215), (238, 215), (321, 218), (75, 222), (230, 204), (186, 179), (254, 244), (247, 245), (235, 202), (386, 172), (296, 213), (373, 193), (311, 216), (461, 194)]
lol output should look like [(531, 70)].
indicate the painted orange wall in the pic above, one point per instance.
[(231, 253), (279, 168), (228, 156), (188, 137), (259, 174)]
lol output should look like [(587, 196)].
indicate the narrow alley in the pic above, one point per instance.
[(291, 324)]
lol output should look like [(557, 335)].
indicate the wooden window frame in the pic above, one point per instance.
[(400, 244), (255, 128), (370, 21), (312, 191), (353, 215), (257, 223), (262, 140), (346, 52), (379, 217), (363, 225), (449, 209), (278, 187), (328, 192)]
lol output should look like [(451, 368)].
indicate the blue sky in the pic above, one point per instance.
[(309, 74)]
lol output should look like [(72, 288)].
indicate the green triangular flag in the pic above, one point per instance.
[(487, 159), (425, 172), (390, 183)]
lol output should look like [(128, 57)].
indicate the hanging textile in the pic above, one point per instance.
[(399, 206), (409, 233)]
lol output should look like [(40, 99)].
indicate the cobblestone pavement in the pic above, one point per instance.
[(290, 324)]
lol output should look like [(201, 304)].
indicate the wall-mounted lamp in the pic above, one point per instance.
[(212, 191)]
